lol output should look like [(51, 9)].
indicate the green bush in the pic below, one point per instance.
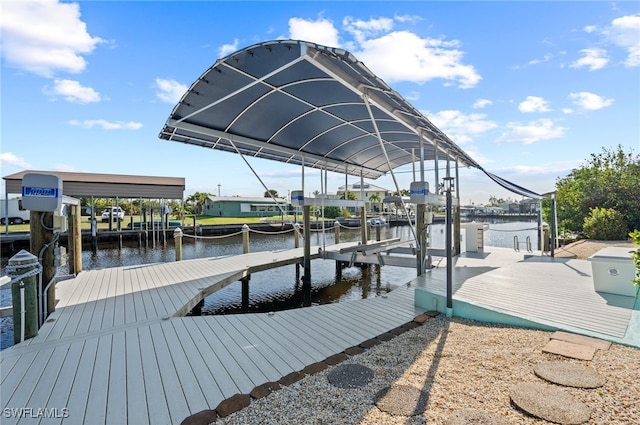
[(635, 255), (605, 224)]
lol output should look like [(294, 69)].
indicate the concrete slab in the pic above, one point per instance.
[(598, 344), (569, 349)]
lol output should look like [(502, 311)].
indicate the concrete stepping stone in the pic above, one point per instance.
[(569, 349), (401, 400), (569, 374), (350, 376), (598, 344), (550, 403), (474, 417)]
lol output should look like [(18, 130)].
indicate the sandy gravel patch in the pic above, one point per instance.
[(585, 248), (460, 364)]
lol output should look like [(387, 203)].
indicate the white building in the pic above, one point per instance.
[(365, 193)]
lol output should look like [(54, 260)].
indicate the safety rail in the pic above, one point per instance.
[(517, 243)]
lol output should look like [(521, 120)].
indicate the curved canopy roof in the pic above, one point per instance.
[(287, 99), (303, 103)]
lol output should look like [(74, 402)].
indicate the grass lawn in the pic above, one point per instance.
[(203, 220)]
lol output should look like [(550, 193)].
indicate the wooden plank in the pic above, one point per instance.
[(300, 343), (287, 351), (13, 374), (97, 320), (96, 411), (154, 392), (253, 344), (307, 333), (90, 303), (137, 411), (120, 308), (61, 389), (77, 402), (198, 355), (133, 311), (206, 347), (188, 381), (236, 367), (257, 368), (175, 396)]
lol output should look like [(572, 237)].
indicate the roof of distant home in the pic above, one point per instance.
[(302, 103), (83, 185)]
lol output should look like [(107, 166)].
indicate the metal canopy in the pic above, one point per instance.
[(286, 100)]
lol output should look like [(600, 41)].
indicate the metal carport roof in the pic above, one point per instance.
[(82, 185), (302, 103)]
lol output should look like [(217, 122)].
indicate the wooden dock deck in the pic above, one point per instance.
[(117, 350), (537, 291)]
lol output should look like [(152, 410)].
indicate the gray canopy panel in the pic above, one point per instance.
[(286, 100)]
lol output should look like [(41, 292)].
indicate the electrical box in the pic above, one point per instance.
[(59, 223), (297, 198), (419, 192), (41, 192)]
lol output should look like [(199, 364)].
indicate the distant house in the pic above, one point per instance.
[(528, 206), (234, 206), (365, 192)]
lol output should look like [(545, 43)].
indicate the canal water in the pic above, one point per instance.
[(280, 288)]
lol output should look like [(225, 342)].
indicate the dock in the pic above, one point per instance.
[(534, 291), (118, 348)]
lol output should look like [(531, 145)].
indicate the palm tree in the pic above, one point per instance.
[(374, 199)]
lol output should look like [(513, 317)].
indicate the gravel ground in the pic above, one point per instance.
[(460, 364), (585, 248)]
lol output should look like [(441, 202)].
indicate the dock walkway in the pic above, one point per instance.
[(536, 291), (117, 350)]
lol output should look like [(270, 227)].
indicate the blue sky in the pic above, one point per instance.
[(529, 89)]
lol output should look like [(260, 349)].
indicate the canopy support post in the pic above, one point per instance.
[(386, 156), (259, 179)]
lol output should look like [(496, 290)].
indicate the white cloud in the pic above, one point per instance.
[(534, 131), (44, 36), (321, 31), (461, 127), (545, 58), (590, 101), (107, 125), (534, 104), (481, 103), (227, 49), (72, 91), (593, 58), (625, 32), (361, 30), (393, 56), (170, 91), (412, 19), (403, 56), (9, 159)]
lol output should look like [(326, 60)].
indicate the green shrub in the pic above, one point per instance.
[(635, 255), (605, 224)]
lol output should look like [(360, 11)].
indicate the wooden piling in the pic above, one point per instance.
[(41, 231), (245, 239)]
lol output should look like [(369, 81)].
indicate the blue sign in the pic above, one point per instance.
[(42, 192)]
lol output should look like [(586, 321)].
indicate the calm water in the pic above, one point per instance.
[(280, 288)]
